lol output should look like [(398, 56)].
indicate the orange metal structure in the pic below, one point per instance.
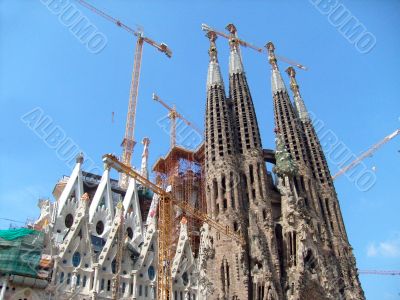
[(164, 283), (181, 170)]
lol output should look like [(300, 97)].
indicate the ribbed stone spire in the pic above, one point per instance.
[(144, 170), (299, 105), (214, 72), (277, 83), (235, 58)]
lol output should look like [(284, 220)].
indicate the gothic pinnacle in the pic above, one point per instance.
[(214, 72), (299, 105), (235, 59), (277, 83)]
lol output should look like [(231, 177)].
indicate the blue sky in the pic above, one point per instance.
[(43, 65)]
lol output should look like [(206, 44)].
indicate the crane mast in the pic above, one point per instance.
[(128, 143), (173, 115), (367, 153)]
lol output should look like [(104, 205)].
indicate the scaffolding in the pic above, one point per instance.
[(182, 170)]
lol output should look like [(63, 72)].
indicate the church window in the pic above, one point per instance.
[(99, 227), (69, 220), (140, 290), (129, 232), (185, 278), (76, 259), (151, 272), (114, 266)]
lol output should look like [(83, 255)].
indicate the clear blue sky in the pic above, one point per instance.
[(43, 65)]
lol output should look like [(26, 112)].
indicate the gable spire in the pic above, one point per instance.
[(214, 73), (277, 83), (235, 58), (299, 105), (145, 157)]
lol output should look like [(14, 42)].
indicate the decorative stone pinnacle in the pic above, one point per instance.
[(106, 166), (79, 158), (119, 205), (212, 36), (85, 197), (146, 141), (231, 28), (293, 83), (271, 55)]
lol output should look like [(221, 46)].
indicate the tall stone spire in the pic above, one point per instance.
[(286, 121), (223, 191), (244, 116), (144, 170), (298, 100), (329, 204), (253, 175), (235, 58), (277, 83), (214, 72)]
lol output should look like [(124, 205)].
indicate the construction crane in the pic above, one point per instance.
[(379, 272), (128, 142), (164, 280), (173, 114), (367, 153), (233, 32)]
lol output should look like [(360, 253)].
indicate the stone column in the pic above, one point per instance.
[(96, 279), (153, 291), (54, 275), (187, 293), (73, 280), (134, 283), (4, 287)]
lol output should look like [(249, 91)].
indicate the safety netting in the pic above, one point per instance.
[(20, 251)]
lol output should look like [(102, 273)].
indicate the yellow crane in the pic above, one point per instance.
[(164, 280), (129, 138), (173, 115), (233, 32), (367, 153)]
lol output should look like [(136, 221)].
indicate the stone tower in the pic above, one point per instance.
[(264, 261), (313, 230), (331, 213), (227, 261), (295, 243), (237, 193)]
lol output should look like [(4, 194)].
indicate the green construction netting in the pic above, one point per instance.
[(20, 251), (13, 234)]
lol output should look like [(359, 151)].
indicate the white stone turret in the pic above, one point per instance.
[(144, 170)]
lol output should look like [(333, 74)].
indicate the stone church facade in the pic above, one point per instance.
[(296, 245)]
